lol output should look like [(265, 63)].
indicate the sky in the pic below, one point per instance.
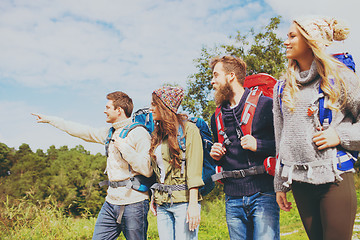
[(61, 57)]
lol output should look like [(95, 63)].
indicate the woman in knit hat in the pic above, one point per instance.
[(175, 198), (307, 147)]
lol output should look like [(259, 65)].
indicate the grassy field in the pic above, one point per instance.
[(25, 220)]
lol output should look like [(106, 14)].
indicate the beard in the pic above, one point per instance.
[(223, 94)]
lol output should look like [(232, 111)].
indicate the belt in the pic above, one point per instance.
[(168, 189), (241, 173)]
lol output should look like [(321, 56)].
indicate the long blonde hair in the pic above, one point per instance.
[(329, 69)]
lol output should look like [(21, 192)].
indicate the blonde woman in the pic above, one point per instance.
[(307, 149)]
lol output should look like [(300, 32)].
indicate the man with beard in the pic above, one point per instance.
[(251, 208)]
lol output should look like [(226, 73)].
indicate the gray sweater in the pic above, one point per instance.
[(298, 157)]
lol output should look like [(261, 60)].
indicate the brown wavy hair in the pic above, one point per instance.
[(166, 128)]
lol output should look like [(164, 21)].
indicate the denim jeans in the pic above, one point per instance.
[(133, 224), (171, 221), (253, 217)]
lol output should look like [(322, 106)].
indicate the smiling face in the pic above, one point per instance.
[(112, 114), (296, 46)]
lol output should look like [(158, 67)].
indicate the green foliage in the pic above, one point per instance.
[(6, 159), (262, 51), (28, 218), (69, 176)]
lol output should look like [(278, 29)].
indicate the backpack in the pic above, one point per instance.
[(345, 58), (259, 84), (263, 81), (144, 116), (346, 159), (138, 182)]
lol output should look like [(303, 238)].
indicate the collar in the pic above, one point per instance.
[(226, 106), (307, 76), (121, 123)]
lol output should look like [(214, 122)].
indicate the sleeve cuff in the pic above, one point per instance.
[(195, 182), (344, 136), (281, 188)]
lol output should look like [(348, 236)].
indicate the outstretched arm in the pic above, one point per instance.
[(84, 132)]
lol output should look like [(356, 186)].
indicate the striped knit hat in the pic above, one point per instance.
[(170, 96)]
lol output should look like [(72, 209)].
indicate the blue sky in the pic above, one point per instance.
[(62, 57)]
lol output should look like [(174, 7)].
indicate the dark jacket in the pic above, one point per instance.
[(238, 158)]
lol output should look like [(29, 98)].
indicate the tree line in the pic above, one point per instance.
[(69, 177)]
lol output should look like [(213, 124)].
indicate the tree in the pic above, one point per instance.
[(265, 54), (6, 159)]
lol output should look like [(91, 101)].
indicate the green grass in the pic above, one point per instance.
[(24, 219)]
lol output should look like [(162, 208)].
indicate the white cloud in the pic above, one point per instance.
[(67, 43), (62, 57)]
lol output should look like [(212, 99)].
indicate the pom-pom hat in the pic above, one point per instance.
[(170, 96), (324, 30)]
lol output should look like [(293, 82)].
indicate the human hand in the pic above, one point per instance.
[(248, 142), (217, 151), (326, 139), (282, 201), (193, 216), (153, 208), (40, 118)]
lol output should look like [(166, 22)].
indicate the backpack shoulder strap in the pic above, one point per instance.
[(222, 136), (125, 131), (181, 139), (110, 133), (248, 112), (280, 90), (325, 114), (182, 145), (107, 141), (219, 124)]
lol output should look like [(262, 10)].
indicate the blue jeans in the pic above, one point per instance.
[(133, 224), (171, 221), (253, 217)]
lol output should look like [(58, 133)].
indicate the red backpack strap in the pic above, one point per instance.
[(222, 137), (219, 124), (247, 115)]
